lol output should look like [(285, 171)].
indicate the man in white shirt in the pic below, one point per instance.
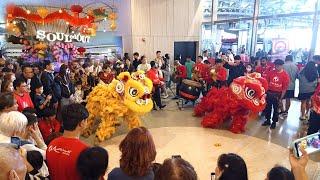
[(205, 56)]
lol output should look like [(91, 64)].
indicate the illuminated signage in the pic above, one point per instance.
[(49, 36)]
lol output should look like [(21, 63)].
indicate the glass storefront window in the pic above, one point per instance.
[(282, 24)]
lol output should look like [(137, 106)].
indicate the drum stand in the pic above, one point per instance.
[(181, 103)]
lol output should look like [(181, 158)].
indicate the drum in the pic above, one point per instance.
[(190, 90)]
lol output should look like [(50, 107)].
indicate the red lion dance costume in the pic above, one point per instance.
[(246, 94)]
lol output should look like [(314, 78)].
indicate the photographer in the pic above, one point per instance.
[(298, 166)]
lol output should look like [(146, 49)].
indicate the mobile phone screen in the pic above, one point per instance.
[(16, 141), (213, 175), (310, 144)]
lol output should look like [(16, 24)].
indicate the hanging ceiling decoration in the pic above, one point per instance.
[(83, 19), (43, 15)]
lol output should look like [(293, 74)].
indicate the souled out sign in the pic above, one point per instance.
[(57, 36)]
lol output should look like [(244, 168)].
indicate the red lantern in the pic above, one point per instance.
[(76, 9), (81, 50)]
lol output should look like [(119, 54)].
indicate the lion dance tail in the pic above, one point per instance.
[(206, 103)]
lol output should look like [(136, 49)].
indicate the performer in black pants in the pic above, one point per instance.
[(157, 83), (157, 96), (273, 99), (314, 123), (314, 120), (278, 81)]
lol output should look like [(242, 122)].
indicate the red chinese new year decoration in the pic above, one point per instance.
[(17, 12), (81, 50), (76, 9)]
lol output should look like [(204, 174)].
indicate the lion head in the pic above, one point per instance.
[(136, 91), (250, 91)]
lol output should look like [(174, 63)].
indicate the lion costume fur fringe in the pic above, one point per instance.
[(128, 96)]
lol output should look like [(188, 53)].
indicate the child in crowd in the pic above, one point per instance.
[(41, 101), (249, 69), (106, 76), (79, 94), (49, 125)]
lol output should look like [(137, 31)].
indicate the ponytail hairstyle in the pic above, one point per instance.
[(232, 167), (310, 71)]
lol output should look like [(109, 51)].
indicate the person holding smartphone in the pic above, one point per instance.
[(298, 166)]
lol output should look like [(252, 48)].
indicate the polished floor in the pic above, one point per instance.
[(178, 132), (202, 147)]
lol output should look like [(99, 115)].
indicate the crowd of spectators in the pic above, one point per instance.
[(42, 115)]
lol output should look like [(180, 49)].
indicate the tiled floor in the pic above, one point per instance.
[(178, 132)]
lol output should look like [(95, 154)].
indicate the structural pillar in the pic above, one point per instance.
[(254, 27), (214, 17), (315, 27)]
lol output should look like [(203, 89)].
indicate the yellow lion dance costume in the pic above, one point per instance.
[(128, 97)]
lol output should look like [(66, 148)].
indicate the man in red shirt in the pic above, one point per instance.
[(181, 73), (21, 94), (63, 152), (200, 73), (263, 68), (219, 74), (278, 81), (157, 83)]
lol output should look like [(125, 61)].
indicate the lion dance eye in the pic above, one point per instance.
[(141, 76), (120, 87), (250, 93), (133, 92)]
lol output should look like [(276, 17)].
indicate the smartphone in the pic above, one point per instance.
[(16, 141), (176, 156), (213, 176), (310, 143)]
